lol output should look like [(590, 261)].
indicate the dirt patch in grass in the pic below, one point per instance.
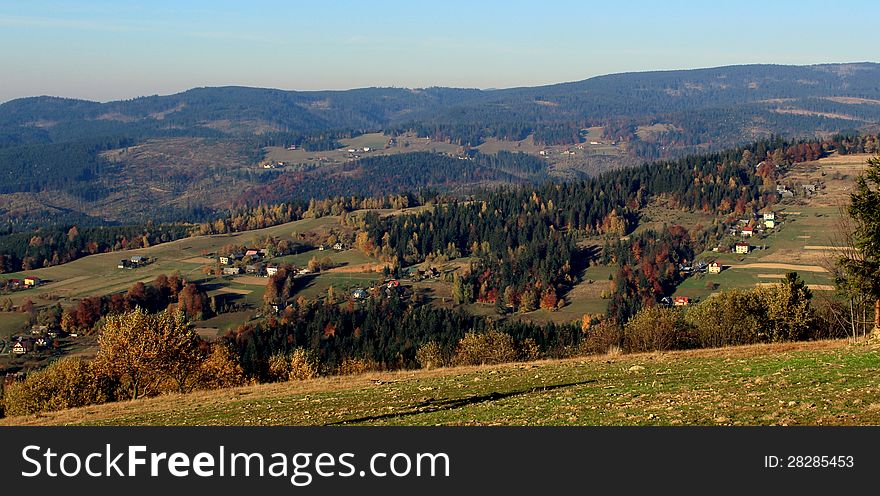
[(237, 291), (251, 280), (780, 266)]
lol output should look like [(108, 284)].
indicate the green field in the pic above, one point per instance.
[(11, 323), (375, 141), (815, 383), (98, 275)]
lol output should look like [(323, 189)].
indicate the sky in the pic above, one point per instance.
[(109, 50)]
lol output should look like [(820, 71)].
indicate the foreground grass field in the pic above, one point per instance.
[(815, 383)]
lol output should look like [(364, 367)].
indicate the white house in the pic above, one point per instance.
[(742, 248), (714, 268), (271, 270)]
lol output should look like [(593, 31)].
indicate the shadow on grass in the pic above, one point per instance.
[(431, 405)]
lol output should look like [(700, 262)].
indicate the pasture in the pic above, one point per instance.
[(809, 383)]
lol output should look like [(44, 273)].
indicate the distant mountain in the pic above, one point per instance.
[(186, 155), (726, 104)]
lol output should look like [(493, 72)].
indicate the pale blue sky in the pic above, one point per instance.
[(104, 50)]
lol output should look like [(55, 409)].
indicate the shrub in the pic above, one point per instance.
[(529, 351), (220, 369), (657, 329), (430, 356), (303, 365), (601, 337), (484, 349), (352, 366), (727, 318), (781, 312), (278, 369), (66, 383)]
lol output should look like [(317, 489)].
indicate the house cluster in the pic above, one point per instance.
[(786, 192), (132, 263), (389, 288), (423, 274), (16, 284), (355, 152), (338, 246), (688, 268), (249, 262), (675, 301), (41, 337), (747, 228)]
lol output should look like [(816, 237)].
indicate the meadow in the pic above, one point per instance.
[(809, 383)]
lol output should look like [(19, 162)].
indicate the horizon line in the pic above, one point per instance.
[(416, 88)]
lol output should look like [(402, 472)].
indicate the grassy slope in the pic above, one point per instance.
[(826, 382)]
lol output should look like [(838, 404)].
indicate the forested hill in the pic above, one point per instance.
[(704, 106)]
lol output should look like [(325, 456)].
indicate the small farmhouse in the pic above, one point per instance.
[(271, 270), (138, 260), (230, 258), (231, 271), (681, 301), (715, 268), (747, 231), (23, 347), (338, 246), (742, 248), (30, 282)]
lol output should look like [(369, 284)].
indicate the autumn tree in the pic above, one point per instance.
[(142, 350), (220, 369), (862, 264)]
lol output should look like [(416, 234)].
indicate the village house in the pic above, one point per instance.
[(715, 268), (784, 191), (747, 232), (271, 270), (742, 248), (231, 258), (681, 301), (138, 260), (809, 189), (231, 271), (22, 347), (303, 271), (30, 282), (253, 254), (338, 246), (254, 269)]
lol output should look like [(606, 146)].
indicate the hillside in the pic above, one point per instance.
[(188, 155), (814, 383)]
